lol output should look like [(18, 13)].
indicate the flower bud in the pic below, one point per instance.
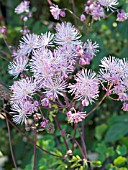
[(43, 124), (25, 19), (2, 30), (125, 107), (82, 17), (36, 103), (69, 152), (69, 113), (45, 102), (85, 102), (82, 62), (50, 96), (62, 13)]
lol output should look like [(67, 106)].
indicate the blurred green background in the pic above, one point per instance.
[(106, 130)]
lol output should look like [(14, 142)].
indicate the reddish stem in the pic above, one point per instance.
[(10, 142)]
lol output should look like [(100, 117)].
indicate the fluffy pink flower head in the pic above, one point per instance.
[(109, 4), (17, 66), (23, 89), (22, 7), (90, 49), (122, 16), (67, 34), (98, 12), (55, 11), (86, 86), (113, 70), (54, 85), (75, 117), (29, 43), (22, 110)]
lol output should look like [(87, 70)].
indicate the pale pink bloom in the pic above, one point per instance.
[(22, 7), (17, 66), (98, 12), (123, 96), (69, 52), (113, 70), (40, 64), (46, 40), (55, 11), (54, 85), (67, 34), (122, 16), (29, 43), (90, 49), (108, 3), (86, 86), (19, 53), (22, 110), (61, 64), (75, 117), (23, 89)]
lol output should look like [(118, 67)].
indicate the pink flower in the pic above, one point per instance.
[(67, 34), (55, 11), (22, 7), (82, 17), (125, 107), (75, 117), (17, 66), (45, 102), (23, 89), (109, 4), (2, 30), (122, 16), (22, 110), (86, 86)]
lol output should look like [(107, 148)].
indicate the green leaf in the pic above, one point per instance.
[(100, 130), (123, 168), (124, 141), (96, 163), (116, 131), (110, 152), (121, 150), (101, 148), (118, 119), (120, 160)]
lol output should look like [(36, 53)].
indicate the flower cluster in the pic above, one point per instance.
[(56, 12), (115, 72), (122, 16), (51, 59), (94, 9), (50, 64), (87, 52)]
